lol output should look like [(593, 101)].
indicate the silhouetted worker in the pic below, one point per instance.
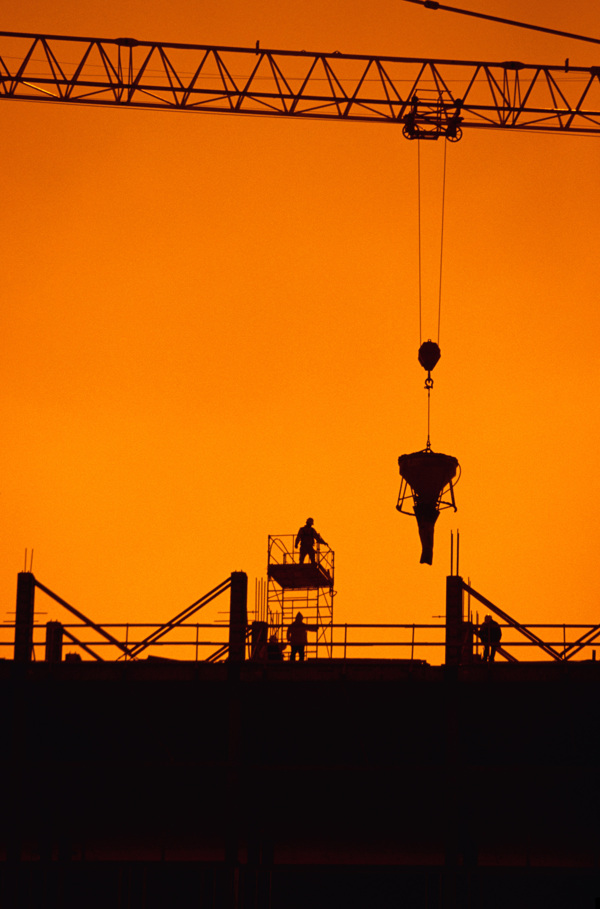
[(275, 650), (306, 538), (490, 634), (297, 636)]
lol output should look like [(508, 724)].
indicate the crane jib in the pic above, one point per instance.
[(428, 98)]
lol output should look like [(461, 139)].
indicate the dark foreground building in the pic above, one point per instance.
[(358, 783)]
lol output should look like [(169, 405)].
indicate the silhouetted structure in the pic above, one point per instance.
[(305, 587), (152, 783), (54, 642), (176, 780), (446, 96), (24, 617)]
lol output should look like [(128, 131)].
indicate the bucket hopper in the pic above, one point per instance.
[(428, 479)]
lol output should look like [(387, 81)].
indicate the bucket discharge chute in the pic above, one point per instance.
[(428, 479)]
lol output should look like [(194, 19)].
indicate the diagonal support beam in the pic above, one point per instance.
[(178, 619), (98, 628), (510, 621), (224, 649), (586, 638), (82, 645), (507, 656)]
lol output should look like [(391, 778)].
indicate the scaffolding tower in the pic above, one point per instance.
[(307, 588)]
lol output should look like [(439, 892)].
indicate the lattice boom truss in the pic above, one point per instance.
[(428, 97)]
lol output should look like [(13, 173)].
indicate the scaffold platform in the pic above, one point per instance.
[(298, 577)]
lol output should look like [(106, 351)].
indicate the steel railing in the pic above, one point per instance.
[(198, 641)]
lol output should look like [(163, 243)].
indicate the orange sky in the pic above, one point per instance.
[(210, 330)]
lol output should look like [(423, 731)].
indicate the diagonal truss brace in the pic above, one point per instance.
[(586, 638), (179, 619), (81, 644), (517, 625), (98, 628)]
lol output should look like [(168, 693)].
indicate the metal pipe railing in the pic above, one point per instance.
[(347, 638)]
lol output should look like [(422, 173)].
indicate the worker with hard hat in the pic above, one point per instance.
[(298, 637), (306, 538), (490, 634)]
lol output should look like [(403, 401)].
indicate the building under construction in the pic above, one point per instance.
[(241, 782)]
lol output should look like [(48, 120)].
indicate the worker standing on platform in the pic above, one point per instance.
[(298, 637), (491, 635), (306, 538)]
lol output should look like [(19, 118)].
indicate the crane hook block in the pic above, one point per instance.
[(429, 354), (428, 479)]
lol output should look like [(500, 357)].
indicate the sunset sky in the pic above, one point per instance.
[(210, 328)]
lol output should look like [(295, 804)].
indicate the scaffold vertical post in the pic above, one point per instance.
[(24, 617)]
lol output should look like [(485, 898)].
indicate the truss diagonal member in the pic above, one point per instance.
[(283, 86), (335, 84), (500, 95), (181, 617), (223, 649), (522, 106), (412, 91), (300, 93), (507, 656), (594, 76), (586, 638), (113, 75), (175, 84), (82, 645), (19, 76), (444, 93), (230, 89), (79, 69), (246, 91), (98, 628), (134, 81), (517, 625), (564, 114), (389, 89), (191, 86), (216, 656), (55, 68)]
